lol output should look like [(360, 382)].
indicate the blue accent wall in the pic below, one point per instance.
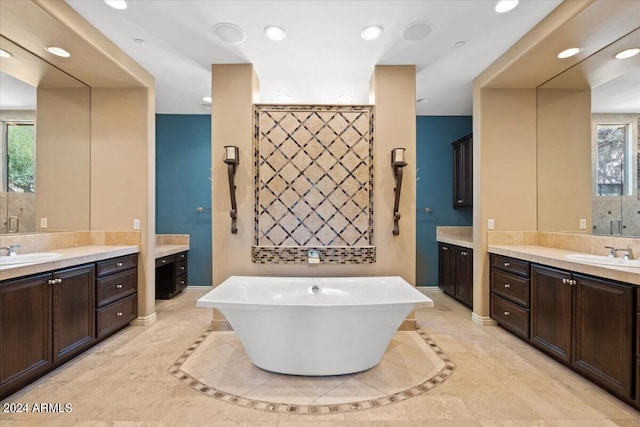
[(434, 189), (183, 162)]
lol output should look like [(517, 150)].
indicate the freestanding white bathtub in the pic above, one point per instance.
[(314, 326)]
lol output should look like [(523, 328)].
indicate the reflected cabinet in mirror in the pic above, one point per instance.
[(588, 135), (45, 150)]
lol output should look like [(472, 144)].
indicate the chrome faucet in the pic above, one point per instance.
[(628, 252), (11, 249)]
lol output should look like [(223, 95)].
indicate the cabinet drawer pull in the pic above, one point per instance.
[(464, 253), (163, 261), (572, 282), (182, 268), (444, 248), (507, 264), (119, 313), (507, 285), (506, 313), (52, 281), (57, 280), (182, 282), (459, 201), (118, 264), (118, 286)]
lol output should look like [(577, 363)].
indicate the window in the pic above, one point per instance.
[(20, 157), (614, 157)]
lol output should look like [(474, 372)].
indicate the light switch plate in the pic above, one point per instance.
[(136, 224), (583, 223), (43, 223), (491, 224)]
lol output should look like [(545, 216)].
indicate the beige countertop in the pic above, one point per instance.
[(69, 257), (555, 258), (166, 250), (455, 235)]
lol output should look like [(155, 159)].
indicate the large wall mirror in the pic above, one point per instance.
[(45, 149), (588, 121)]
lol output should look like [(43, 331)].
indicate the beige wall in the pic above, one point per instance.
[(233, 88), (63, 150), (564, 159), (504, 156), (122, 183)]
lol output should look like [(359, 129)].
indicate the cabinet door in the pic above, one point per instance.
[(463, 172), (447, 266), (603, 333), (74, 303), (551, 302), (463, 275), (25, 331)]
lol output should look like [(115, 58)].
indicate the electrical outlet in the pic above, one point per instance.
[(43, 222), (136, 224), (491, 224), (583, 223)]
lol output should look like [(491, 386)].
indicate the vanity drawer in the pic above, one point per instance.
[(511, 265), (181, 282), (114, 265), (182, 256), (114, 316), (510, 316), (165, 260), (181, 268), (115, 286), (510, 286)]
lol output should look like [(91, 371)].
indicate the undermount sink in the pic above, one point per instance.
[(28, 258), (604, 260)]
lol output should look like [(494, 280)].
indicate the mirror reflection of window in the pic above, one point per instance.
[(20, 159), (613, 154)]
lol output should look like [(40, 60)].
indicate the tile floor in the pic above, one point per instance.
[(499, 381)]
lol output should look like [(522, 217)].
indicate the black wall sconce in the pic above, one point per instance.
[(397, 163), (232, 159)]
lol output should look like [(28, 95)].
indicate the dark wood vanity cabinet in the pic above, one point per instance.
[(117, 301), (46, 319), (455, 272), (510, 294), (74, 304), (585, 322), (463, 172), (171, 275), (25, 331), (582, 321)]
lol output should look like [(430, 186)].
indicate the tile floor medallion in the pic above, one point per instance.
[(217, 365)]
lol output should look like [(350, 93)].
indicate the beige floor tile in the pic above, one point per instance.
[(351, 390)]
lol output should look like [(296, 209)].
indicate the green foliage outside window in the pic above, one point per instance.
[(21, 158), (611, 159)]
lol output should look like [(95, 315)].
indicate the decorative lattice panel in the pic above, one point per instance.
[(313, 176)]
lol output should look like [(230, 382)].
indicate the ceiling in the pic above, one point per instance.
[(323, 55)]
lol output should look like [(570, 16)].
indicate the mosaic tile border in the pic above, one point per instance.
[(284, 254), (282, 408), (300, 254)]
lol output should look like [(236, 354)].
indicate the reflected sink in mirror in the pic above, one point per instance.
[(28, 258), (603, 260)]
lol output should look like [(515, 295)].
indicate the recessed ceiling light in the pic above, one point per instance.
[(275, 33), (5, 53), (207, 99), (117, 4), (283, 98), (568, 53), (345, 98), (628, 53), (505, 5), (422, 100), (57, 51), (417, 31), (372, 32), (141, 42), (460, 44), (228, 32)]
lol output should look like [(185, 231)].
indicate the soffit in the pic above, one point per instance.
[(589, 25), (94, 59)]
